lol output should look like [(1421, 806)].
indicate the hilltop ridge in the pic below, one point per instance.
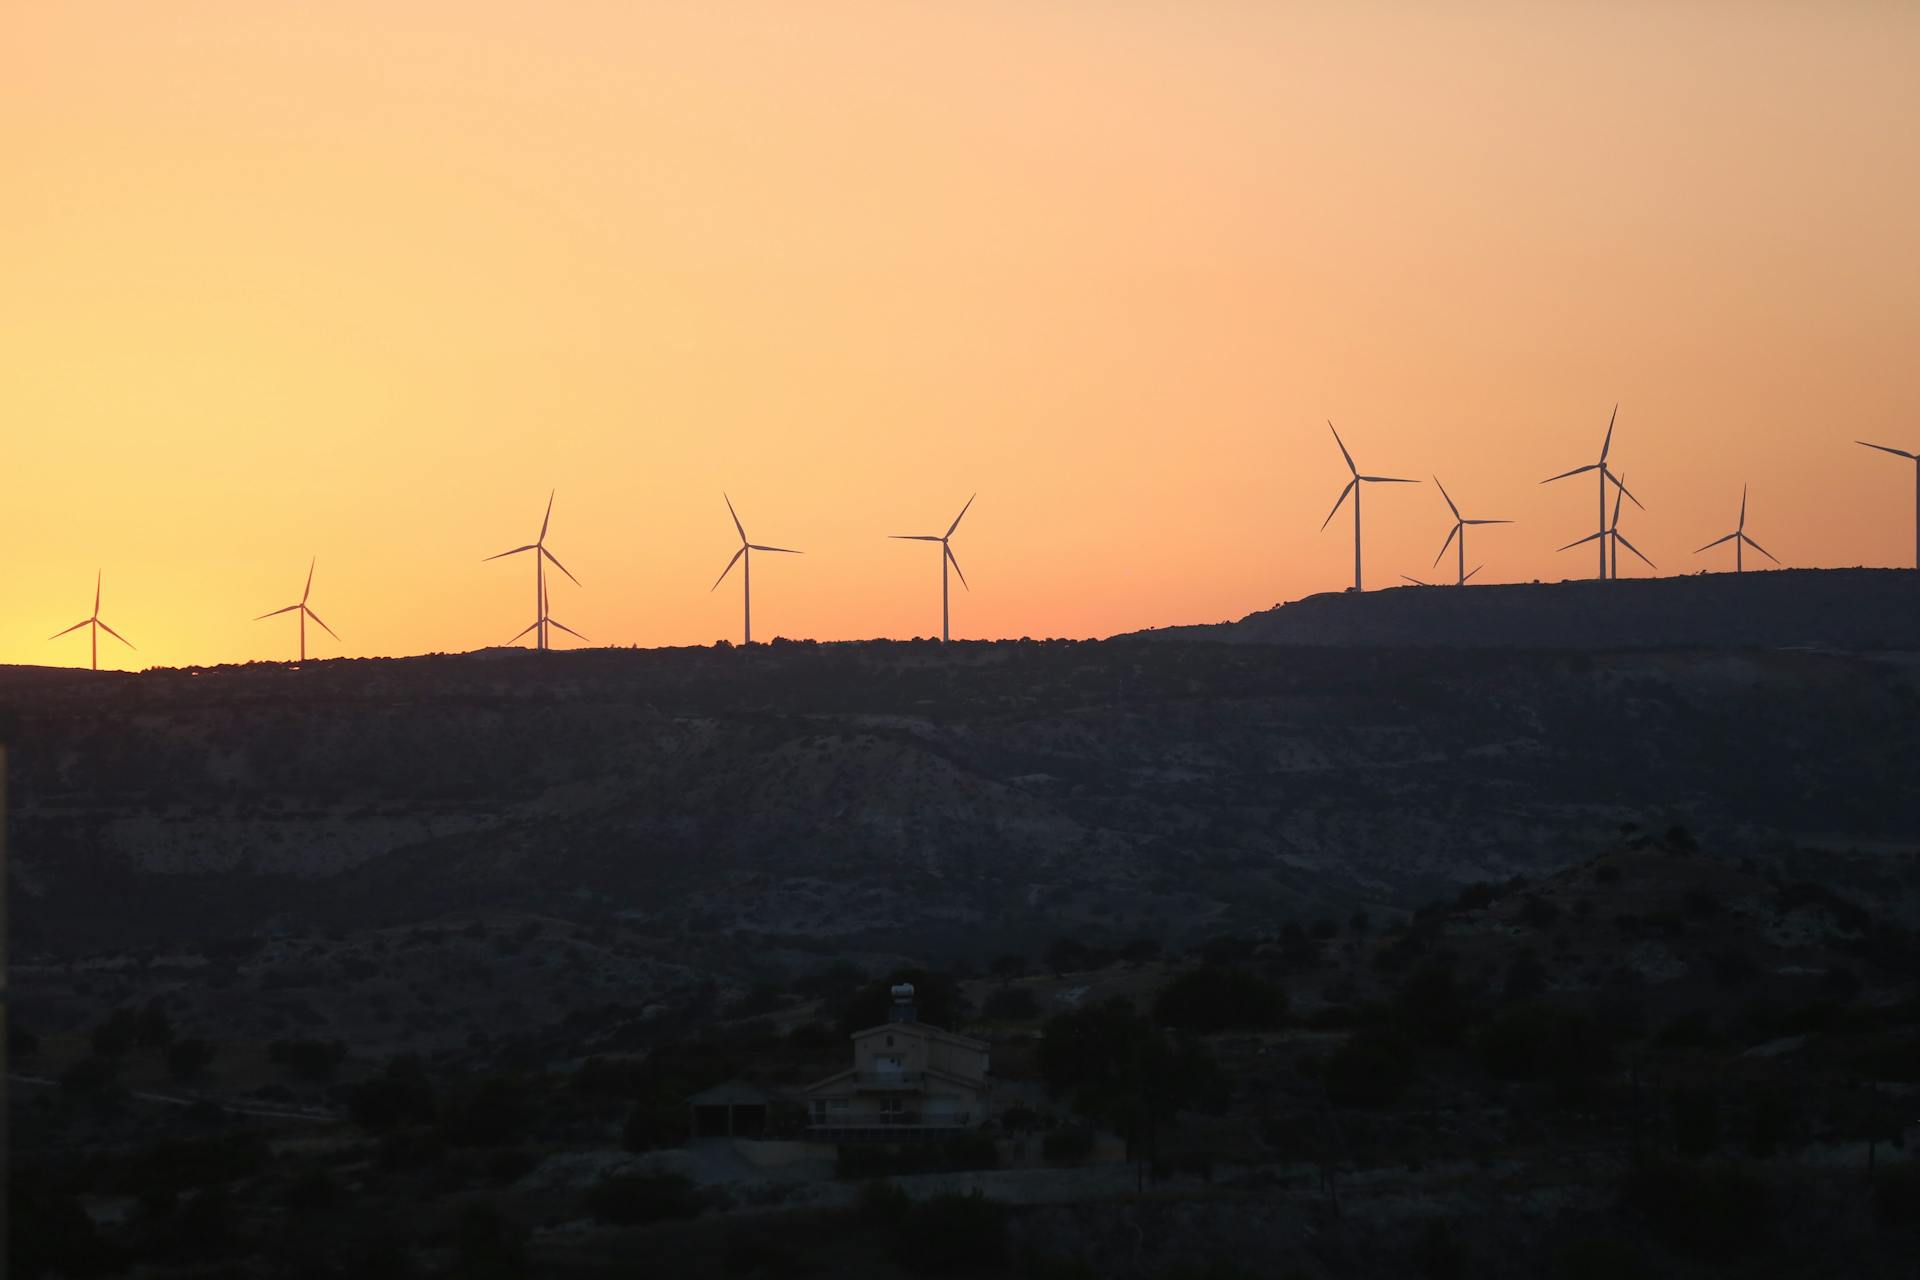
[(1835, 608)]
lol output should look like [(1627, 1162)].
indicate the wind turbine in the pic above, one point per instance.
[(1613, 534), (746, 571), (1353, 487), (93, 621), (1902, 453), (1740, 539), (547, 619), (304, 612), (541, 555), (1459, 527), (1605, 475), (946, 557)]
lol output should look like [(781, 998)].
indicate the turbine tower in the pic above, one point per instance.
[(1613, 534), (1459, 527), (546, 618), (1739, 538), (1605, 475), (746, 570), (946, 557), (1353, 487), (304, 612), (1902, 453), (541, 555), (93, 621)]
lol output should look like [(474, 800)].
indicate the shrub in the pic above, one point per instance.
[(89, 1078), (1696, 1121), (631, 1199), (188, 1058), (312, 1059), (954, 1233), (883, 1204), (1214, 999), (1533, 1043), (400, 1095), (1011, 1004), (493, 1113), (1710, 1211), (1372, 1069), (114, 1036), (1067, 1146), (1066, 955)]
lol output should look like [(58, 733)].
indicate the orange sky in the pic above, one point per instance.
[(365, 280)]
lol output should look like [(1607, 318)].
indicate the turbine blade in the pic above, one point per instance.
[(1620, 482), (309, 590), (323, 626), (544, 520), (556, 564), (1716, 542), (531, 546), (736, 520), (787, 551), (1387, 480), (1447, 543), (1576, 471), (1444, 494), (918, 537), (1351, 486), (1608, 442), (1621, 539), (1743, 507), (1757, 547), (1620, 493), (1343, 448), (530, 626), (1589, 538), (956, 567), (277, 612), (96, 593), (729, 569), (123, 640), (1416, 582), (963, 515), (75, 627), (555, 622), (1477, 568), (1486, 522), (1898, 453)]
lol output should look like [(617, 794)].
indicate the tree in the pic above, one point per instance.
[(1123, 1071), (188, 1058), (1214, 999)]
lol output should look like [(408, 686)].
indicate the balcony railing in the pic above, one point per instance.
[(888, 1079)]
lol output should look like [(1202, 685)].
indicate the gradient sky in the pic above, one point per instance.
[(366, 280)]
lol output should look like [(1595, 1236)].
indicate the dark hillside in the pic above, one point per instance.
[(1837, 608)]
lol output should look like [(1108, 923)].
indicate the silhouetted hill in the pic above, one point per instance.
[(909, 797), (1838, 608)]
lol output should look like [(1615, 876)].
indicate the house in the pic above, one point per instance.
[(908, 1082), (735, 1109)]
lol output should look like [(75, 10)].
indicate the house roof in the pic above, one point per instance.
[(930, 1032), (734, 1093), (848, 1073)]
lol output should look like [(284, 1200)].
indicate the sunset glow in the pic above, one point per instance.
[(365, 281)]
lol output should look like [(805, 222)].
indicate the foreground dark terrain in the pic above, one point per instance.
[(1381, 960)]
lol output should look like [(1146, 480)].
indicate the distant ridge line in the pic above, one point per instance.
[(1834, 608)]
